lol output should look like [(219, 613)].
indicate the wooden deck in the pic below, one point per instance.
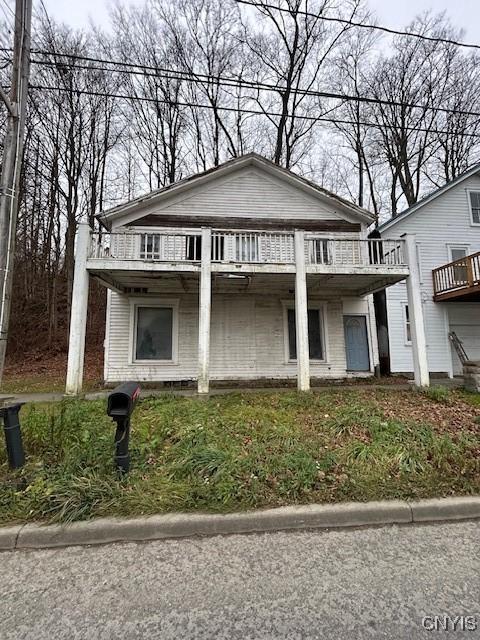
[(458, 280)]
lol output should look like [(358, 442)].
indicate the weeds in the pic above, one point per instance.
[(438, 394), (241, 451)]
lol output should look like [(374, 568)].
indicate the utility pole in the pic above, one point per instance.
[(16, 104)]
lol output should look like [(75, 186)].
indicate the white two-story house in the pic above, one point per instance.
[(244, 272), (446, 225)]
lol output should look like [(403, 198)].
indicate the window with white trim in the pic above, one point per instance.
[(406, 324), (150, 246), (457, 254), (474, 199), (154, 328), (319, 251), (316, 339)]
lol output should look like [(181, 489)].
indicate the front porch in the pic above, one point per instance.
[(243, 304)]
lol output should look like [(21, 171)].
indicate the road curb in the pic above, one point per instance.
[(445, 509), (8, 537), (182, 525)]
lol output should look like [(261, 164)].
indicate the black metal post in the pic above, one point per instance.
[(122, 437), (120, 405), (13, 435)]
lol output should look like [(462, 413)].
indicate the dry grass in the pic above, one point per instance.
[(245, 451)]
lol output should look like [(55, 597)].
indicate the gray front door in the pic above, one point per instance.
[(356, 343)]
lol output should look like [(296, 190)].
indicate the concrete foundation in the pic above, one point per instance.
[(471, 376)]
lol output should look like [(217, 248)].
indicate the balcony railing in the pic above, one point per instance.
[(246, 247), (361, 253), (458, 277)]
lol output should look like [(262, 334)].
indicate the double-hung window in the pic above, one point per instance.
[(316, 340), (406, 324), (458, 255), (474, 199), (154, 332), (150, 246), (319, 250)]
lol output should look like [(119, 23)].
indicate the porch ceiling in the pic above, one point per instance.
[(282, 283)]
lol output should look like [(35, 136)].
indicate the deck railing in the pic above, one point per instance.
[(253, 247), (169, 246), (245, 247), (457, 276), (354, 252)]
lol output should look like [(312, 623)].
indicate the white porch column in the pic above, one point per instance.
[(78, 313), (415, 310), (205, 301), (301, 314)]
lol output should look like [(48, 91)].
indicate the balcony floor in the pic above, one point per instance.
[(247, 279), (463, 294)]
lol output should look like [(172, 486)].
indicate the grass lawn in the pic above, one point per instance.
[(245, 451)]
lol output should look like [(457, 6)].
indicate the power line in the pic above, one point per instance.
[(364, 25), (9, 21), (236, 82), (9, 7), (242, 110)]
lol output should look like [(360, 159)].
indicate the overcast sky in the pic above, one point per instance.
[(393, 13)]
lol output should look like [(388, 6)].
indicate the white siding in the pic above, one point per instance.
[(247, 339), (442, 222), (248, 192), (464, 319)]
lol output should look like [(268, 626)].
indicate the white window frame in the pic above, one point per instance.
[(135, 303), (404, 322), (458, 245), (326, 245), (469, 191), (321, 307)]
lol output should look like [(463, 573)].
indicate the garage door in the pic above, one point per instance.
[(465, 321)]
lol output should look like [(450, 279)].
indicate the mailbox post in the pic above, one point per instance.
[(121, 403), (13, 435)]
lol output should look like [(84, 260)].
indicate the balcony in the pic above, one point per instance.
[(250, 248), (458, 280), (343, 263)]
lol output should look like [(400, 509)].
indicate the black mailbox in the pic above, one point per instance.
[(121, 403), (13, 435)]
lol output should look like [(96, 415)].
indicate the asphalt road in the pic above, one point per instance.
[(352, 584)]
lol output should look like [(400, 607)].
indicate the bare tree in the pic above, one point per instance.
[(350, 65), (292, 50), (458, 132), (417, 73), (206, 37)]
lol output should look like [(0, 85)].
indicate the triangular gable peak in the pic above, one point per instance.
[(391, 222), (247, 191)]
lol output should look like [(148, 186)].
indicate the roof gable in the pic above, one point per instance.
[(429, 198), (251, 175)]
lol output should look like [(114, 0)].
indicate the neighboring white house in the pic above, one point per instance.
[(246, 271), (446, 225)]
